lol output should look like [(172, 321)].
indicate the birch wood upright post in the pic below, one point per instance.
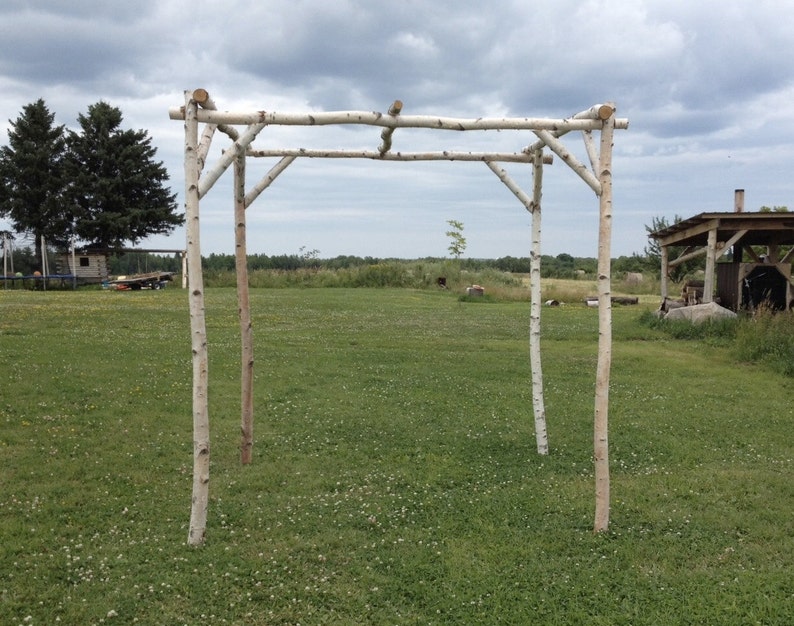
[(533, 206), (244, 314), (198, 332), (603, 367), (538, 404)]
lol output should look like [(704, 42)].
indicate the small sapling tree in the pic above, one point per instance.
[(457, 242)]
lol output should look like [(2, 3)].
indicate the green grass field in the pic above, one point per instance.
[(395, 478)]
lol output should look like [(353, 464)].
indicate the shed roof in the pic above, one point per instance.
[(763, 229)]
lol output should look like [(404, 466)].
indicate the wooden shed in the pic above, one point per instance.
[(759, 268), (89, 266)]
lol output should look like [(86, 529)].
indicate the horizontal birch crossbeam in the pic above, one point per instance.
[(444, 155), (372, 118)]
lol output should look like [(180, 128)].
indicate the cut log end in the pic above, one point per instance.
[(201, 95), (605, 111)]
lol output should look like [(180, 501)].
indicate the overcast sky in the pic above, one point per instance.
[(708, 88)]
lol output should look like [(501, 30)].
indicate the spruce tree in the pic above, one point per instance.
[(32, 177), (117, 193)]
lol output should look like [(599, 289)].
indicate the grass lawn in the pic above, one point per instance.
[(395, 478)]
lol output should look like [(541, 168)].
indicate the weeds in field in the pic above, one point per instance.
[(768, 336), (716, 331), (763, 336)]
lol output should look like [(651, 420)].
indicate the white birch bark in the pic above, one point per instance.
[(238, 147), (511, 185), (198, 333), (597, 112), (205, 101), (444, 155), (267, 179), (538, 403), (591, 149), (556, 146), (603, 367), (372, 118), (244, 313), (533, 206), (386, 134)]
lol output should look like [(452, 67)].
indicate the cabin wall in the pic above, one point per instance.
[(87, 267)]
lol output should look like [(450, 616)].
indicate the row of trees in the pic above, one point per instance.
[(98, 186), (560, 266)]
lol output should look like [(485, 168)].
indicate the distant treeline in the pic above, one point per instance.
[(560, 266)]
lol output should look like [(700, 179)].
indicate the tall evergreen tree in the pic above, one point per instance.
[(117, 190), (32, 176)]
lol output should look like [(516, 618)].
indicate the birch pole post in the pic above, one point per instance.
[(198, 333), (533, 206), (538, 404), (244, 314), (601, 417)]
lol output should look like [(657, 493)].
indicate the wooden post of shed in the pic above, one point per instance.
[(711, 263)]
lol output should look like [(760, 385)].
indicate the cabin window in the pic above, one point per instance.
[(85, 261)]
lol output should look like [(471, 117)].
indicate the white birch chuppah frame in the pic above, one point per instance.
[(199, 108)]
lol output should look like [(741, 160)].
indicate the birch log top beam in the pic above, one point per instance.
[(373, 118)]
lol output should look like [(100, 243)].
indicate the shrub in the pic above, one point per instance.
[(767, 337), (715, 331)]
